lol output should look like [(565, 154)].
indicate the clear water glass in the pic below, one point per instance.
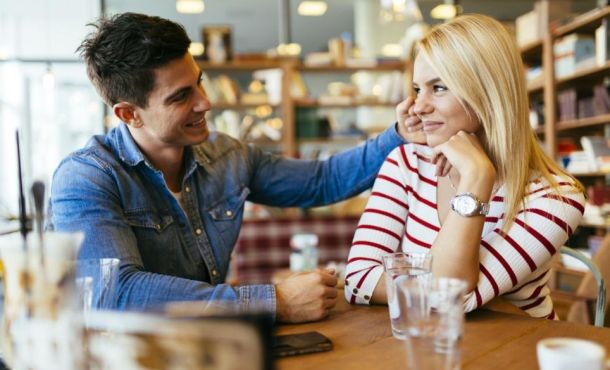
[(400, 267), (434, 322)]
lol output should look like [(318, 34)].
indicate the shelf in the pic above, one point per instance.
[(535, 86), (383, 67), (305, 103), (586, 73), (583, 122), (586, 22), (239, 66), (531, 50), (240, 106), (589, 174), (595, 225)]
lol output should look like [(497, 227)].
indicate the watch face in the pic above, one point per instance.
[(465, 205)]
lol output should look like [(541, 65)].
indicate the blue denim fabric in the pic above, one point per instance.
[(120, 201)]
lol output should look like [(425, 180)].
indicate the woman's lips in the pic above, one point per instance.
[(430, 126)]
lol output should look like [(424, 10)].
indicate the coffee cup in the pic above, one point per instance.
[(570, 353)]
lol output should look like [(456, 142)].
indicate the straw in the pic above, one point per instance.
[(22, 217)]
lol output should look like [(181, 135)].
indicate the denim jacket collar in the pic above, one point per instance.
[(126, 147), (130, 153)]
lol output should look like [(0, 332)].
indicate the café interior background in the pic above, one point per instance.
[(45, 93)]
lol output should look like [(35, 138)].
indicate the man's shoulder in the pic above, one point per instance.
[(216, 146), (96, 152)]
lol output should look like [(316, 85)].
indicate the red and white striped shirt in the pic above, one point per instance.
[(402, 209)]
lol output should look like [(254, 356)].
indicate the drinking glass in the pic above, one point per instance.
[(40, 328), (399, 267), (434, 322), (97, 283)]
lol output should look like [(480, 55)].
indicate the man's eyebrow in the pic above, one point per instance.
[(181, 90)]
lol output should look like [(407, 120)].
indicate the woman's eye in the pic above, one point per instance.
[(440, 88), (416, 90)]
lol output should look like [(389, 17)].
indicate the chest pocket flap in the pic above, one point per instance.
[(148, 219), (227, 208)]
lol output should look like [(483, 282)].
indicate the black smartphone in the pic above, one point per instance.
[(298, 344)]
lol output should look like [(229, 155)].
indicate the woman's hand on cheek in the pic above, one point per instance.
[(464, 152)]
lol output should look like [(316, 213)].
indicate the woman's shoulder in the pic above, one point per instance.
[(559, 184), (413, 153)]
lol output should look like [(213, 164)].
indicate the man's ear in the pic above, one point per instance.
[(126, 112)]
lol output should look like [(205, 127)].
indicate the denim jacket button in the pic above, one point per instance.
[(198, 231), (187, 189), (158, 226), (214, 272), (229, 213)]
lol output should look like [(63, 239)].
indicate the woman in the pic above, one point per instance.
[(504, 208)]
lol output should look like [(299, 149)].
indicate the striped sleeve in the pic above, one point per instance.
[(515, 263), (380, 228)]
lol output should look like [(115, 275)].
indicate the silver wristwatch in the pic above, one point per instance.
[(468, 205)]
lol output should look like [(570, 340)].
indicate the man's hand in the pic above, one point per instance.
[(410, 127), (306, 296)]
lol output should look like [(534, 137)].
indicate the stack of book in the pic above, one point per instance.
[(567, 100)]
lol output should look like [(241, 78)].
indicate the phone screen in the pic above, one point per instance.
[(298, 344)]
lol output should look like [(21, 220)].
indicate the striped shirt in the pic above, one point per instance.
[(402, 212)]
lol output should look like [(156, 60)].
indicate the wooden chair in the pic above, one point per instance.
[(592, 287)]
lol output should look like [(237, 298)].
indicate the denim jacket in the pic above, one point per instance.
[(109, 191)]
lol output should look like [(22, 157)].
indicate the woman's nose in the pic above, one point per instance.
[(421, 106)]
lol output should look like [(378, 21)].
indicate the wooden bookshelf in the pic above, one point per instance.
[(532, 50), (286, 110), (586, 74), (586, 22), (382, 67), (583, 122), (240, 106), (305, 103), (239, 66)]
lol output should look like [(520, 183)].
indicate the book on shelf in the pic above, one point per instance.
[(601, 99), (532, 26), (602, 42), (597, 152), (572, 52), (567, 103)]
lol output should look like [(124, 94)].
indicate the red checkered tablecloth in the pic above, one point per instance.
[(263, 246)]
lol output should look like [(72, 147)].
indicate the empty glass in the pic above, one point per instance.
[(97, 282), (398, 267), (40, 330), (434, 322)]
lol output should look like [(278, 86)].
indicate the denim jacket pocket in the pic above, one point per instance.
[(227, 208), (149, 220)]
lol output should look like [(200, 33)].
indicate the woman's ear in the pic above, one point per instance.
[(126, 112)]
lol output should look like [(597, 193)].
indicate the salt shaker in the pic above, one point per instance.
[(304, 255)]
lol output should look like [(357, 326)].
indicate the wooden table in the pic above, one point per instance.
[(492, 340)]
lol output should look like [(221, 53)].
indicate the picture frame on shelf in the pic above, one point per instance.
[(217, 43)]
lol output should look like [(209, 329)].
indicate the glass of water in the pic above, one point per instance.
[(435, 322), (399, 267)]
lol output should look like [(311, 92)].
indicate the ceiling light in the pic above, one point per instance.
[(445, 11), (190, 6), (312, 8), (196, 49)]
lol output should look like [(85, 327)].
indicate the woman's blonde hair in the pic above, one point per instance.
[(478, 60)]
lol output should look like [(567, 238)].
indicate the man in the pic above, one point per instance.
[(166, 197)]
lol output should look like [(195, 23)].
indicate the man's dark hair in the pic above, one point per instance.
[(123, 51)]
